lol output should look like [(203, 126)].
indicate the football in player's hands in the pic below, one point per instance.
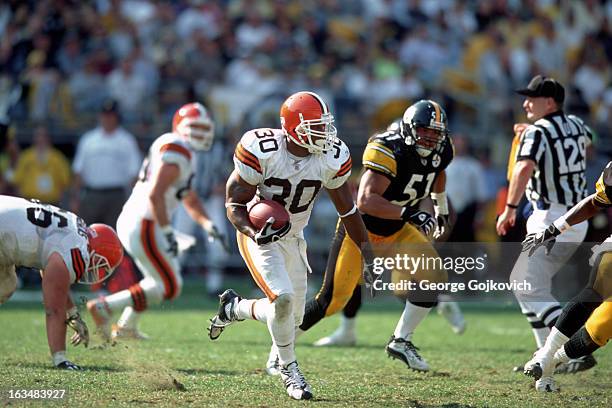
[(262, 210)]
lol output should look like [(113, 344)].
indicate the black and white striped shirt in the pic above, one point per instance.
[(557, 144)]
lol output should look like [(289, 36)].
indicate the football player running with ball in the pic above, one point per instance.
[(289, 166), (586, 321), (57, 242), (144, 223), (403, 165)]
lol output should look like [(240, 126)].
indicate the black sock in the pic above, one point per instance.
[(580, 344)]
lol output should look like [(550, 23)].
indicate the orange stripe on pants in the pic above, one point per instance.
[(147, 236), (242, 246)]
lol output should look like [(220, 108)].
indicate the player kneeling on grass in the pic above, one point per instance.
[(586, 322), (144, 223), (37, 235), (288, 166)]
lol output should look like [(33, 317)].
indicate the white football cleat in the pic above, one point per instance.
[(295, 383), (128, 333), (273, 365), (546, 384), (404, 350), (339, 338), (452, 313), (541, 365)]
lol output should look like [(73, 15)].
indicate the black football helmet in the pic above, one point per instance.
[(425, 114)]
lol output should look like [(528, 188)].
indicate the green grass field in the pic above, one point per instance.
[(180, 366)]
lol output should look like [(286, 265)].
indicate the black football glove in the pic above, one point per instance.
[(215, 235), (442, 225), (268, 234), (172, 244), (545, 238), (369, 275), (421, 219)]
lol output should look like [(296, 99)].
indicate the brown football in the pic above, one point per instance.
[(264, 209)]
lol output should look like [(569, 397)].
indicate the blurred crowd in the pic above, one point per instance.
[(61, 60)]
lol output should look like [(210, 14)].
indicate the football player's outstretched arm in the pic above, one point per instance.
[(167, 174), (440, 202), (194, 207), (353, 223), (370, 198), (582, 211), (55, 287), (237, 194), (521, 173), (343, 200)]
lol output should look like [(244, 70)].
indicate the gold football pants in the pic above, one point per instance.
[(344, 268), (599, 324)]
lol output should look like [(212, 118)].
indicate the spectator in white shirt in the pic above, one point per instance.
[(106, 164), (465, 186)]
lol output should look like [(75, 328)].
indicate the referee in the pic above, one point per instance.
[(550, 168)]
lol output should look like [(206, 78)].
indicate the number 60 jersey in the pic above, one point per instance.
[(262, 159), (31, 231)]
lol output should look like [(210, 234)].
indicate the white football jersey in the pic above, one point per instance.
[(168, 148), (31, 231), (262, 159)]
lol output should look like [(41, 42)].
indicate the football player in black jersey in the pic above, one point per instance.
[(402, 167)]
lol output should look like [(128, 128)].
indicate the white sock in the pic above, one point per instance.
[(347, 325), (129, 318), (119, 300), (255, 309), (59, 357), (561, 355), (410, 319), (555, 340), (283, 335)]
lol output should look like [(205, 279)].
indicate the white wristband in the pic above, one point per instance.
[(167, 229), (562, 224), (440, 202), (228, 205), (350, 212)]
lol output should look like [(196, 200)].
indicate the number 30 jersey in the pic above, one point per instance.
[(168, 148), (411, 175), (31, 231), (261, 159)]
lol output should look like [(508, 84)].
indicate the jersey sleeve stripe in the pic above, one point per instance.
[(254, 165), (381, 148), (173, 147), (601, 195), (380, 158), (378, 167), (346, 167), (78, 264), (244, 155)]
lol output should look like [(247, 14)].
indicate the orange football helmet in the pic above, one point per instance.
[(105, 253), (307, 121), (193, 122)]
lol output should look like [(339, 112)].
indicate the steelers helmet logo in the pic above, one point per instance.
[(436, 160)]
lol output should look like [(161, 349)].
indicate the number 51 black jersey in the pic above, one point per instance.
[(411, 175)]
